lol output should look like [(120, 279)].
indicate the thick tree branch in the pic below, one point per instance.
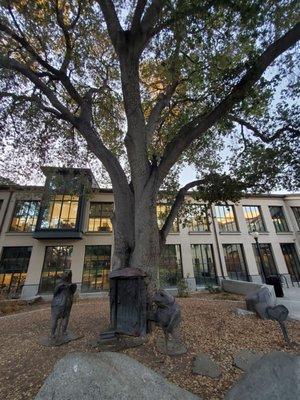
[(151, 16), (194, 129), (137, 15), (179, 200), (154, 118), (266, 138), (112, 21)]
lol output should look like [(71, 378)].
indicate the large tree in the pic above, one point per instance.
[(149, 85)]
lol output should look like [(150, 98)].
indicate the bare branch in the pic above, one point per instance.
[(32, 99), (51, 71), (263, 135), (11, 64), (195, 128)]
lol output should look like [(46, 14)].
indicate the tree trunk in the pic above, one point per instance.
[(144, 253)]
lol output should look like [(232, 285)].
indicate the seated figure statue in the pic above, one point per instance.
[(61, 305)]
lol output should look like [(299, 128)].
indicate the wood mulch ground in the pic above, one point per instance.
[(208, 326)]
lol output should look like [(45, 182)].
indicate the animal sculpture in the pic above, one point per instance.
[(167, 315)]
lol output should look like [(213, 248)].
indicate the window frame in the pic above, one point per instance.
[(283, 221), (209, 280), (17, 272), (244, 261), (86, 287), (257, 259), (295, 276), (57, 272), (10, 230), (235, 221), (100, 217), (179, 270), (296, 212), (175, 226), (261, 216), (205, 217)]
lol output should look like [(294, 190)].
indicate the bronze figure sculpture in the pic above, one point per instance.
[(168, 318), (60, 312)]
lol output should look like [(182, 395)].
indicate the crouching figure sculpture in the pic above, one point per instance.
[(60, 312), (168, 318)]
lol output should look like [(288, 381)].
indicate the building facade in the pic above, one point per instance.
[(66, 225)]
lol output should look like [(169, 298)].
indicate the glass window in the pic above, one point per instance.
[(170, 267), (197, 218), (278, 219), (100, 217), (60, 212), (292, 260), (235, 262), (96, 268), (263, 254), (226, 218), (204, 265), (296, 211), (162, 211), (13, 268), (254, 220), (25, 216), (57, 261)]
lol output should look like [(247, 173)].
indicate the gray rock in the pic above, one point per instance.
[(107, 376), (259, 300), (204, 365), (275, 376), (242, 312), (245, 358)]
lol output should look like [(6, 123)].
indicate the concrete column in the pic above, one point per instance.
[(77, 263), (34, 271)]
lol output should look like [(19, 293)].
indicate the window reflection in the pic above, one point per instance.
[(235, 262), (96, 268), (254, 219), (100, 217), (204, 265), (57, 261), (13, 268), (226, 218), (25, 216), (197, 218), (60, 213), (162, 211), (170, 267)]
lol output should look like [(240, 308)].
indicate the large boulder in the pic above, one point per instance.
[(107, 376), (260, 300), (275, 376)]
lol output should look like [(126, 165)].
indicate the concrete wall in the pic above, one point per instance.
[(184, 238)]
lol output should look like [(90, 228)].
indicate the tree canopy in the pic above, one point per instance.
[(190, 78)]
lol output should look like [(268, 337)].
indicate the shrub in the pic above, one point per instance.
[(183, 288)]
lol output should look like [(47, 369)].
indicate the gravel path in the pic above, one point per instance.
[(208, 326)]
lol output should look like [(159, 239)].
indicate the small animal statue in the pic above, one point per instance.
[(61, 305), (167, 315)]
